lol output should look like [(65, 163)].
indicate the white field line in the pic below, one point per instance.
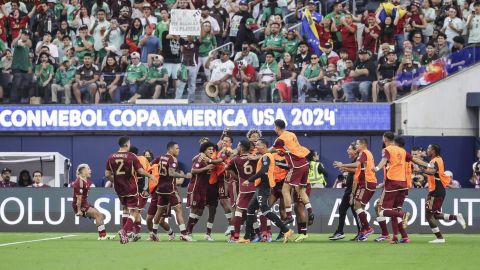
[(38, 240)]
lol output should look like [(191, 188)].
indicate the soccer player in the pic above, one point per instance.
[(80, 205), (345, 203), (287, 144), (242, 168), (276, 194), (364, 184), (167, 193), (142, 183), (263, 180), (197, 188), (121, 169), (437, 182), (394, 189)]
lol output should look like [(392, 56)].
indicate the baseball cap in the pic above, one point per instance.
[(147, 5), (135, 55), (243, 2), (311, 2), (328, 45), (25, 31), (250, 21), (391, 52), (204, 7), (125, 8), (363, 51), (6, 170), (52, 1)]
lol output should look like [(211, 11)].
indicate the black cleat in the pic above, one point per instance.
[(311, 217), (288, 221)]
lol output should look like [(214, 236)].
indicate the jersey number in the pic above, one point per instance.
[(248, 169), (120, 163), (163, 169)]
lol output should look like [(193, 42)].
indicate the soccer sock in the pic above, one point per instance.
[(308, 206), (437, 233), (182, 228), (269, 226), (192, 220), (124, 219), (229, 217), (302, 228), (101, 230), (127, 227), (155, 228), (209, 228), (288, 210), (394, 227), (137, 227), (237, 222), (448, 217), (392, 213), (363, 219), (250, 226), (276, 220), (256, 228), (382, 222), (263, 223), (401, 229)]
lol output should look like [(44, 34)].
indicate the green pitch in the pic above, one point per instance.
[(83, 251)]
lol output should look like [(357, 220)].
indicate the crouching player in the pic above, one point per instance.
[(80, 205)]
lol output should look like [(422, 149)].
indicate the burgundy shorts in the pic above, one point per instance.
[(131, 202), (152, 208), (277, 190), (297, 198), (434, 204), (84, 208), (196, 195), (233, 193), (392, 200), (212, 195), (168, 199), (244, 199), (297, 176), (222, 188), (363, 195), (142, 202)]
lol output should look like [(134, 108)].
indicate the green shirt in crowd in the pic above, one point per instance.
[(276, 42), (155, 73), (79, 43), (209, 42), (338, 22), (312, 71), (43, 75), (21, 60), (291, 46), (267, 12), (159, 29), (63, 77), (135, 72)]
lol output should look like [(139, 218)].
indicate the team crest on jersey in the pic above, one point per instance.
[(174, 165), (197, 165), (81, 190)]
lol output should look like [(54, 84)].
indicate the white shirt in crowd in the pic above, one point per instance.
[(98, 34), (219, 69), (213, 23), (449, 32), (474, 31), (52, 47), (151, 19)]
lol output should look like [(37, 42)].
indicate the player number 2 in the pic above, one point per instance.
[(248, 169), (120, 163)]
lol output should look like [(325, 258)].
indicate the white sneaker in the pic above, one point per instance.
[(208, 237), (171, 237), (186, 238), (232, 101), (461, 221), (437, 241), (244, 101), (106, 237), (227, 232)]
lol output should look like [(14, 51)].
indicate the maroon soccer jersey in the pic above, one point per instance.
[(81, 187), (202, 178), (245, 168), (166, 184), (124, 167)]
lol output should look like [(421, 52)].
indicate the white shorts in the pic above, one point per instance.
[(172, 69)]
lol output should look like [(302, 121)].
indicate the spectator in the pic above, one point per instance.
[(268, 74), (47, 41), (452, 26), (205, 17), (417, 18), (407, 75), (136, 75), (221, 75), (475, 179), (303, 56), (5, 72), (246, 36), (292, 41), (84, 44), (387, 34), (44, 73), (429, 15), (218, 12), (331, 81), (21, 66), (207, 43), (458, 43), (86, 80), (430, 55), (342, 63), (171, 56), (24, 179), (288, 74), (125, 20), (163, 24), (247, 55), (386, 72), (363, 76), (453, 183), (44, 20), (38, 180), (308, 80), (442, 46), (327, 33), (149, 43), (274, 42), (134, 32), (340, 181), (156, 78), (239, 18), (418, 47), (349, 41), (473, 25), (98, 29), (147, 17), (109, 81), (63, 80), (328, 56), (371, 34), (243, 74), (6, 183), (190, 59), (17, 22), (82, 18)]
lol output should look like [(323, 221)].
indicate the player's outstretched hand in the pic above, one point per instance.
[(337, 164)]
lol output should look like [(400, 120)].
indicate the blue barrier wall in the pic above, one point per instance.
[(458, 152)]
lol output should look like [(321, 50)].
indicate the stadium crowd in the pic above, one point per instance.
[(112, 51)]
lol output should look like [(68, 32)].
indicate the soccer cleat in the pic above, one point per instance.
[(406, 217), (288, 221), (171, 237), (369, 232), (136, 237), (287, 237), (244, 241), (256, 239), (356, 237), (153, 237), (362, 238), (461, 221), (280, 236), (437, 241), (301, 237), (123, 236), (106, 237), (394, 241), (382, 238), (227, 232), (208, 237), (311, 217), (404, 241), (186, 238), (337, 236), (232, 240)]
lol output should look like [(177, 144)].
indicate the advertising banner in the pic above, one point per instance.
[(45, 210), (299, 117)]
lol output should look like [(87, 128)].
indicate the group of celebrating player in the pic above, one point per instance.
[(249, 179)]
